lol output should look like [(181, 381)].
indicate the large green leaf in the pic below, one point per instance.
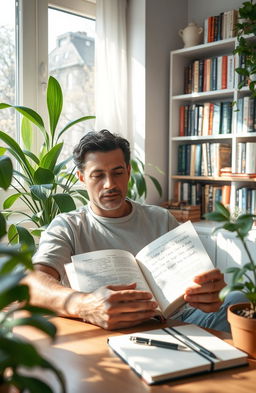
[(11, 199), (25, 237), (17, 152), (14, 256), (30, 384), (36, 321), (5, 172), (49, 160), (41, 192), (31, 115), (156, 184), (54, 103), (32, 156), (64, 202), (43, 176), (16, 348), (8, 281), (18, 293), (72, 123), (61, 165), (26, 133)]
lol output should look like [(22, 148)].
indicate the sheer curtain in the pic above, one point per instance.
[(111, 66)]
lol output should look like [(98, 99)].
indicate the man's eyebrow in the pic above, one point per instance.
[(112, 169)]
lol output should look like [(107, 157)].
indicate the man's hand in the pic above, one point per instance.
[(205, 293), (117, 306)]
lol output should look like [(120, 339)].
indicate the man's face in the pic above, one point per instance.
[(106, 177)]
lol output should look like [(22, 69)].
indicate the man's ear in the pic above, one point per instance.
[(129, 170), (80, 176)]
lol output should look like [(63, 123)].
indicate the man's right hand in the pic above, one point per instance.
[(117, 306)]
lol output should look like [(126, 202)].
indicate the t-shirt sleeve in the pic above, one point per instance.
[(56, 246)]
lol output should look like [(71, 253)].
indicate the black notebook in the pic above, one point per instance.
[(156, 364)]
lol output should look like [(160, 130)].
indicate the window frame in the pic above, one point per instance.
[(32, 21)]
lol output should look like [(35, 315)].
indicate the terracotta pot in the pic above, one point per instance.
[(243, 329)]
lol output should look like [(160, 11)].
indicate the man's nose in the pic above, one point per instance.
[(109, 181)]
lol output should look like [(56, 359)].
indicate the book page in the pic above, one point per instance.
[(170, 263), (106, 267)]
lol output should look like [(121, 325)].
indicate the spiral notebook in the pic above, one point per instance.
[(155, 364)]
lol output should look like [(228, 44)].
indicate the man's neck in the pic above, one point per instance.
[(115, 213)]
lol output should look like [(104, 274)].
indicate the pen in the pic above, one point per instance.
[(190, 343), (157, 343)]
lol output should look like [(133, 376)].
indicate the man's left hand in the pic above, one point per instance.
[(205, 293)]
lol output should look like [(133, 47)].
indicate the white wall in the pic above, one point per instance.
[(152, 33)]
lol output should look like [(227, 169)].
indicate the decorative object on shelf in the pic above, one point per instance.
[(191, 35), (242, 317), (182, 211), (246, 48), (17, 353)]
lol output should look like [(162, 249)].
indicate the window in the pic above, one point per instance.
[(24, 58), (71, 62)]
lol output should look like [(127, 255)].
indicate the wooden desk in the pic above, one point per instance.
[(82, 353)]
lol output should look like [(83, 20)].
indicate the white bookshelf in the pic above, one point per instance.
[(178, 60)]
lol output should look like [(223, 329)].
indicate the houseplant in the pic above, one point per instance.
[(14, 296), (44, 185), (246, 47), (242, 317)]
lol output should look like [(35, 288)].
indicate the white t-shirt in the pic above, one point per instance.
[(82, 231)]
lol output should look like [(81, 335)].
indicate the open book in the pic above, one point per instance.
[(165, 267), (156, 364)]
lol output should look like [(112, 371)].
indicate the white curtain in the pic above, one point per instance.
[(111, 66)]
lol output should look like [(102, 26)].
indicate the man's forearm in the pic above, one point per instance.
[(46, 291)]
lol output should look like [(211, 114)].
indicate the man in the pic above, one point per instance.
[(112, 221)]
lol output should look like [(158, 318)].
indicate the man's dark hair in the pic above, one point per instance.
[(100, 141)]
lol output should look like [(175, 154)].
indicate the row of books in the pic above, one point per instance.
[(213, 73), (205, 119), (202, 194), (220, 27), (203, 159), (246, 115), (246, 157), (246, 200)]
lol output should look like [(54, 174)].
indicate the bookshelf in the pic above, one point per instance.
[(235, 137)]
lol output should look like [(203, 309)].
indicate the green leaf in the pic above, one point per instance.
[(230, 226), (2, 150), (17, 152), (215, 216), (32, 156), (54, 103), (43, 176), (36, 321), (2, 225), (18, 293), (41, 192), (61, 165), (5, 172), (224, 292), (25, 237), (156, 184), (16, 348), (64, 202), (220, 208), (26, 133), (30, 384), (11, 199), (50, 158), (8, 281), (72, 123), (38, 310)]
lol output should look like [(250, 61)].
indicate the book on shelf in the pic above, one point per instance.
[(220, 27), (165, 267), (200, 352)]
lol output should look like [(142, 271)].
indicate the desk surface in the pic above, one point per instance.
[(82, 353)]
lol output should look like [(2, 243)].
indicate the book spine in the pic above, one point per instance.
[(224, 72), (182, 121)]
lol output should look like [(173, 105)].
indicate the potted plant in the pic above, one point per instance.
[(242, 317), (44, 185), (246, 47), (16, 353)]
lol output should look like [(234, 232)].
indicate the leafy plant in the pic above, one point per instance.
[(42, 183), (246, 32), (137, 187), (14, 297), (241, 280)]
